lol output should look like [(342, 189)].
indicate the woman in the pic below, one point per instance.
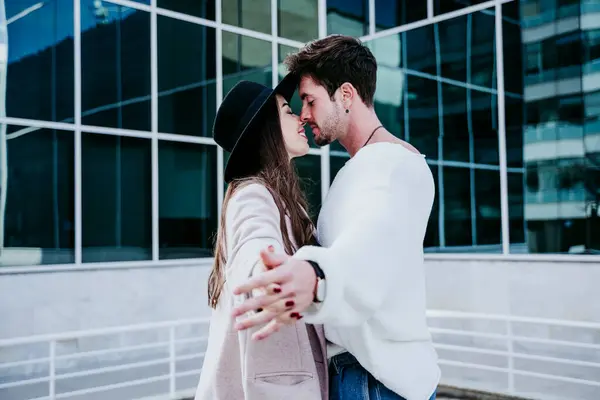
[(263, 208)]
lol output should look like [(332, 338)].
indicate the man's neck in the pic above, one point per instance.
[(364, 122)]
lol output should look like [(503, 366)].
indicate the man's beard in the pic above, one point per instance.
[(323, 139), (328, 133)]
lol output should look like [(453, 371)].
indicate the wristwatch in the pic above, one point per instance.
[(320, 286)]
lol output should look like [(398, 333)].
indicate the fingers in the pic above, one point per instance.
[(256, 319), (275, 276), (267, 330), (278, 311), (272, 260)]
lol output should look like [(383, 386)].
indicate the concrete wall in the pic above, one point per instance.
[(38, 303)]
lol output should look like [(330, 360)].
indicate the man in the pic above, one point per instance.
[(366, 283)]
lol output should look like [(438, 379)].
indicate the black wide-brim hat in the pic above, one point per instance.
[(237, 120)]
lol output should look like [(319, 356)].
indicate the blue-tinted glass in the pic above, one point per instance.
[(115, 67), (245, 58), (40, 77), (187, 206), (250, 14), (39, 222), (309, 172), (392, 13), (348, 17), (116, 198), (197, 8), (186, 77)]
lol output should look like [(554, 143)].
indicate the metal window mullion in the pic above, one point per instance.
[(77, 134), (471, 136), (325, 164), (502, 132), (154, 129), (441, 205), (219, 98)]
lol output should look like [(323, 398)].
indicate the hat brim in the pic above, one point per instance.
[(239, 165)]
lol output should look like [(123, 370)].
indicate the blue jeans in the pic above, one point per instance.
[(348, 380)]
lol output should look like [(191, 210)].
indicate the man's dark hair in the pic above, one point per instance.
[(334, 60)]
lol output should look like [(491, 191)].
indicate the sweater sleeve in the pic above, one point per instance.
[(252, 224), (364, 264)]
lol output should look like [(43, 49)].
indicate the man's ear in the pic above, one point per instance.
[(348, 93)]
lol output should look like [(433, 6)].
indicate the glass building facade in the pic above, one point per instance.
[(107, 108)]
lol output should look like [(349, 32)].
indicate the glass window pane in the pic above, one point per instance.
[(186, 77), (432, 235), (337, 160), (116, 198), (197, 8), (487, 210), (115, 67), (40, 75), (250, 14), (516, 186), (456, 123), (309, 172), (38, 225), (298, 21), (457, 207), (348, 17), (392, 13), (444, 6), (514, 114), (245, 58), (423, 118), (187, 199), (483, 124)]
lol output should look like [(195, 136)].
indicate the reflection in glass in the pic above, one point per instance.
[(186, 77), (444, 6), (298, 22), (197, 8), (348, 17), (115, 67), (392, 13), (38, 219), (40, 73), (516, 204), (423, 118), (116, 198), (457, 207), (432, 235), (337, 160), (187, 199), (309, 172), (250, 14), (487, 209), (245, 58)]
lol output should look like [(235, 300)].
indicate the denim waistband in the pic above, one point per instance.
[(342, 360)]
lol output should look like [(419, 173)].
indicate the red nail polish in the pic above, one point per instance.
[(299, 317), (289, 303), (295, 315), (277, 290)]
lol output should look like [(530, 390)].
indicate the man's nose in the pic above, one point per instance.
[(304, 115)]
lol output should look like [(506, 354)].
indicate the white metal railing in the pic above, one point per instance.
[(470, 332), (51, 375), (514, 347)]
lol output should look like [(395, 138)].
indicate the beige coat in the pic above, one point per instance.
[(289, 365)]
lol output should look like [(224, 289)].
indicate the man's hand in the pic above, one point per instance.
[(296, 280)]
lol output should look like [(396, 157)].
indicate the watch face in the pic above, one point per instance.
[(321, 290)]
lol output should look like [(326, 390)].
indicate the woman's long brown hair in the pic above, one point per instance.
[(278, 175)]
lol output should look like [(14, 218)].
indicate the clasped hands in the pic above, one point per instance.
[(285, 288)]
